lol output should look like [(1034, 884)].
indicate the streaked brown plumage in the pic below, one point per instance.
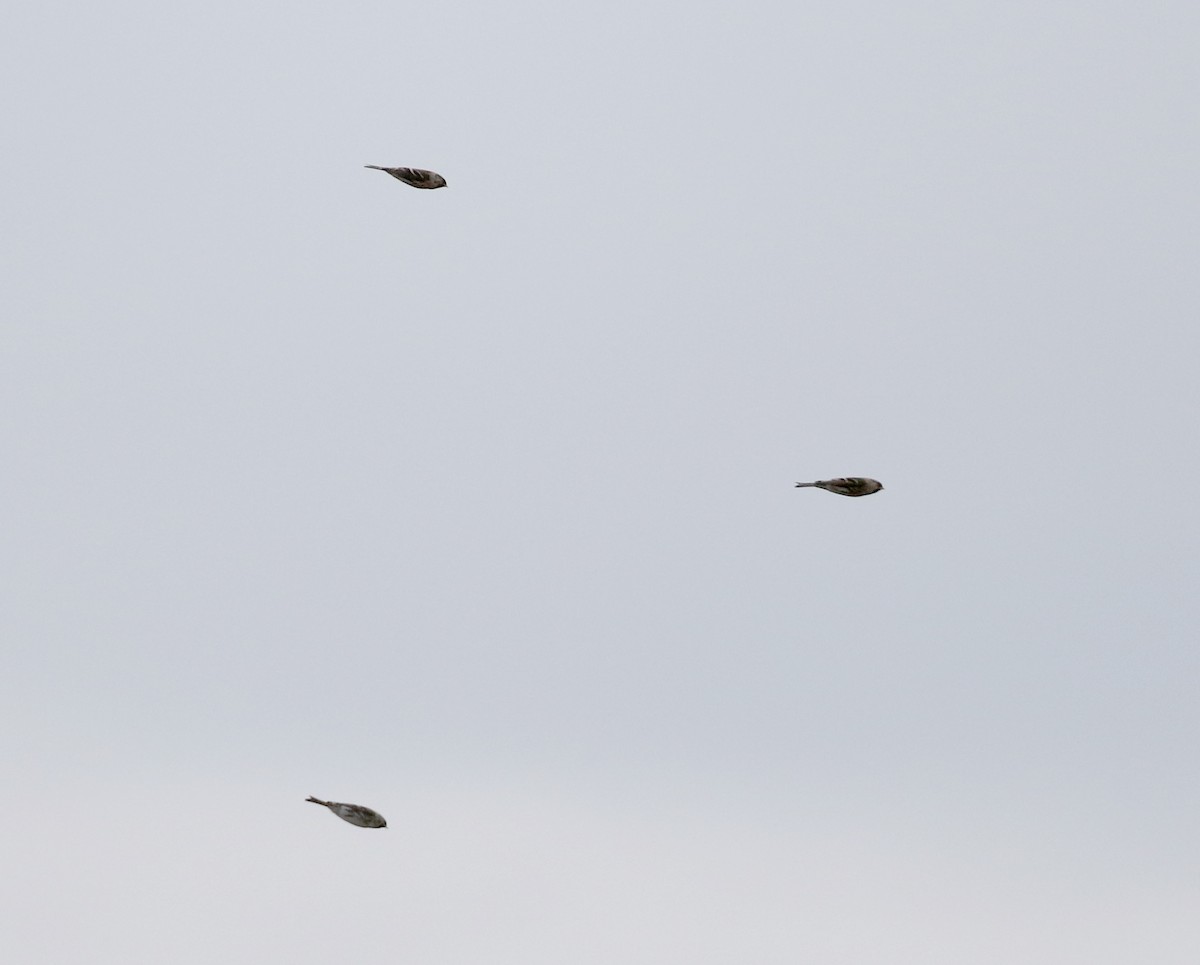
[(846, 485), (417, 177), (356, 814)]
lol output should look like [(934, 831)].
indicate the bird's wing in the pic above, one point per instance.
[(415, 174)]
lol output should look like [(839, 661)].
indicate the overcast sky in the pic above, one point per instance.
[(475, 506)]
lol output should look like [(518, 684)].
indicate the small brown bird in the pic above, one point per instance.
[(414, 176), (356, 814), (846, 486)]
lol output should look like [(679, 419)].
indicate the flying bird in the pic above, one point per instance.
[(846, 486), (356, 814), (414, 176)]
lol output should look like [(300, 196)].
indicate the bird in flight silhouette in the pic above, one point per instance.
[(414, 176), (354, 813), (846, 486)]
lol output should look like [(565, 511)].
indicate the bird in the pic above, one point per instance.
[(846, 486), (414, 176), (356, 814)]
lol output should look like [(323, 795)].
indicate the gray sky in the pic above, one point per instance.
[(475, 506)]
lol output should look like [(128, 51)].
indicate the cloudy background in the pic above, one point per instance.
[(475, 506)]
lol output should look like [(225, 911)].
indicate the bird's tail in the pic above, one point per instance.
[(317, 800)]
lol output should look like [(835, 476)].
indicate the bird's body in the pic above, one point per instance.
[(846, 486), (356, 814), (417, 177)]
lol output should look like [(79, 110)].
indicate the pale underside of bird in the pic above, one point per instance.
[(846, 485), (356, 814), (417, 177)]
